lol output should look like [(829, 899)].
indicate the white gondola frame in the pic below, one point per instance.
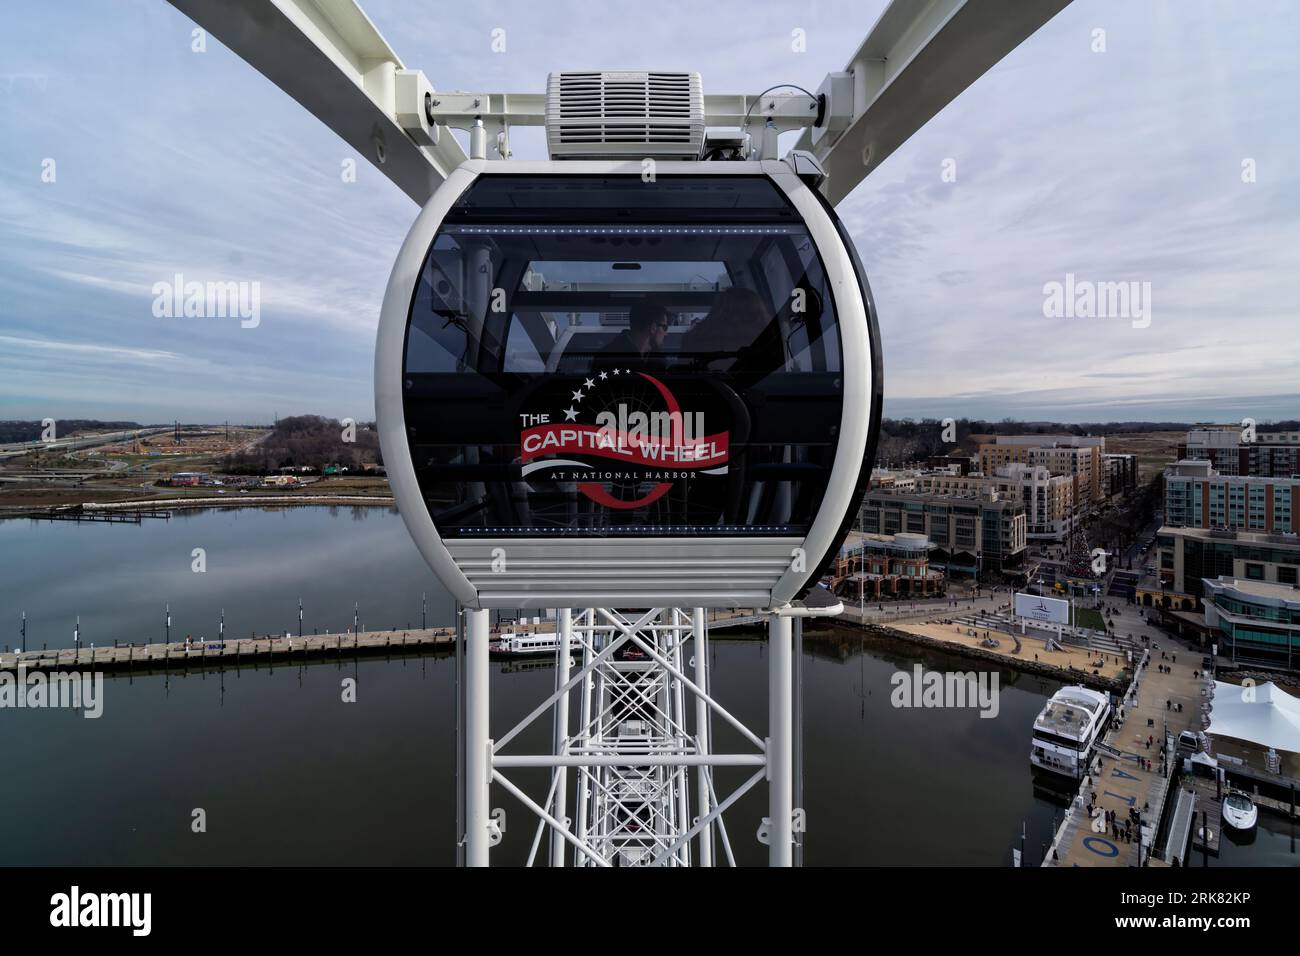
[(800, 554)]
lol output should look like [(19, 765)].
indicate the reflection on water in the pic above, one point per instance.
[(288, 773), (259, 562), (1271, 843)]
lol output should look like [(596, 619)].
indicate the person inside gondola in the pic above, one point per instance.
[(740, 336), (640, 345)]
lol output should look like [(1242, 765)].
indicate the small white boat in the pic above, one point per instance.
[(1239, 812), (529, 642)]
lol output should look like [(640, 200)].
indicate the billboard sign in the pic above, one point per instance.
[(1036, 608)]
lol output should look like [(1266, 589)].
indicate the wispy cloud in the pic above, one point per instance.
[(1116, 166), (86, 348)]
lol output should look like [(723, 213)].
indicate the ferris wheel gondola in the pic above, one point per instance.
[(548, 447)]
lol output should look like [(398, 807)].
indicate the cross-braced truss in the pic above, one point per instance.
[(643, 780)]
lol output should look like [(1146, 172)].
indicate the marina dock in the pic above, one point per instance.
[(1120, 783), (230, 650), (277, 647)]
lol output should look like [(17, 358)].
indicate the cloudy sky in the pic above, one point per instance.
[(1117, 166)]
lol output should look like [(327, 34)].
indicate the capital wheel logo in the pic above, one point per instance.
[(622, 436)]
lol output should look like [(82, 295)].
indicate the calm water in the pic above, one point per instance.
[(1272, 844), (289, 774)]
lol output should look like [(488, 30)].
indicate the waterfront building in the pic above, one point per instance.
[(971, 533), (873, 567), (1188, 556), (1254, 622)]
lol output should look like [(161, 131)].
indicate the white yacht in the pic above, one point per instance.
[(1066, 730), (525, 640), (1239, 811)]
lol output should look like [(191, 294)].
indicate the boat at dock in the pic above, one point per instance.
[(1067, 730), (526, 639), (1239, 811)]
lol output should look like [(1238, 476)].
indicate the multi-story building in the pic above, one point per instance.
[(870, 567), (1079, 456), (1197, 496), (971, 533), (1269, 454), (893, 480), (964, 464), (1254, 622), (1048, 498), (1121, 474), (1190, 555)]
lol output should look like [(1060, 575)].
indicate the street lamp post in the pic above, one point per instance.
[(300, 617)]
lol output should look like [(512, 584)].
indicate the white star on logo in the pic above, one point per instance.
[(570, 414), (589, 383), (615, 371), (628, 371), (603, 376), (577, 396)]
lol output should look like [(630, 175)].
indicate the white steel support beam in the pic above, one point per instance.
[(328, 56), (786, 109), (478, 743), (587, 667), (919, 56), (780, 748), (699, 650), (695, 688), (564, 624), (556, 825), (715, 814), (588, 759)]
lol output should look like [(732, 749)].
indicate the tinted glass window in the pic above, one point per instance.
[(607, 356)]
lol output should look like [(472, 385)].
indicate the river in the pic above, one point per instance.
[(285, 772)]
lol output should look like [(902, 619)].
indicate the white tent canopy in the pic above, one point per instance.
[(1261, 714)]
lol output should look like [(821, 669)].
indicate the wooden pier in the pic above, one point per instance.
[(276, 647), (230, 650)]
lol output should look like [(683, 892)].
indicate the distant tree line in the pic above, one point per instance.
[(15, 431), (906, 439), (308, 441)]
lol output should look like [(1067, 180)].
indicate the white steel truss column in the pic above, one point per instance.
[(632, 752), (780, 744), (636, 810), (564, 628), (702, 716), (478, 744)]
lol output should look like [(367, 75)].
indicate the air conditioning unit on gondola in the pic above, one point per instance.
[(605, 115)]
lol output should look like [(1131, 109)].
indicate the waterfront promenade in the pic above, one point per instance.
[(1120, 782), (947, 622)]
